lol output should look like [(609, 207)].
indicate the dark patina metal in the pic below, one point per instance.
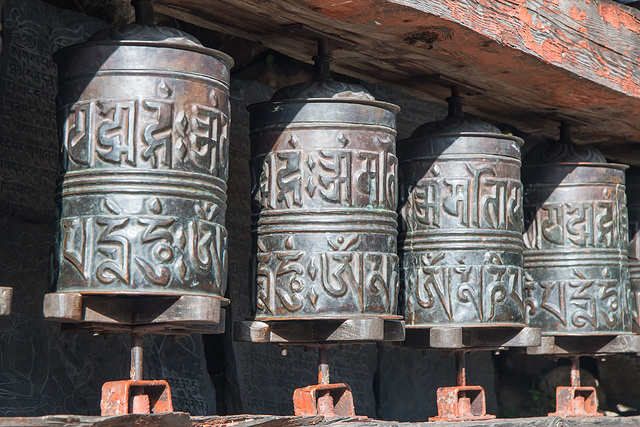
[(633, 206), (143, 114), (461, 224), (576, 274), (324, 199)]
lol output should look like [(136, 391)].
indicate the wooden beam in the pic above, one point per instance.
[(526, 63)]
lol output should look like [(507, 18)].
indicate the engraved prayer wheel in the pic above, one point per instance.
[(143, 115), (633, 206), (461, 224), (576, 268), (324, 199)]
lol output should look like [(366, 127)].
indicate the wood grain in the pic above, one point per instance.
[(525, 63)]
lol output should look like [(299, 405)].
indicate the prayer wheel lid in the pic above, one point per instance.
[(564, 152), (150, 35), (145, 33), (323, 89), (453, 125)]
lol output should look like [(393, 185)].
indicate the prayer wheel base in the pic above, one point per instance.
[(320, 331), (479, 338), (592, 345), (148, 314)]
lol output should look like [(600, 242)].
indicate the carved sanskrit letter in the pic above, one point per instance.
[(579, 218), (289, 179), (551, 223), (605, 225), (369, 178), (156, 135), (334, 176), (338, 281), (426, 203), (207, 135), (74, 243), (157, 233), (116, 134), (115, 247), (77, 129)]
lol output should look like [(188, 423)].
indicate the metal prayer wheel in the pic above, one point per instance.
[(324, 198), (576, 268), (633, 206), (461, 224), (143, 117)]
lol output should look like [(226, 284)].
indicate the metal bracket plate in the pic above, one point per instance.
[(331, 400), (135, 397), (462, 403)]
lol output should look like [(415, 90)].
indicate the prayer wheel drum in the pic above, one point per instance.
[(461, 224), (576, 268), (324, 204), (633, 206), (143, 115)]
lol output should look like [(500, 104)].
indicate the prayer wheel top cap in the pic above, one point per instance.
[(322, 89), (453, 125), (145, 33), (563, 153)]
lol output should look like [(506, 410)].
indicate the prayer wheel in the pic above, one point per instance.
[(633, 206), (324, 202), (143, 116), (576, 267), (461, 224)]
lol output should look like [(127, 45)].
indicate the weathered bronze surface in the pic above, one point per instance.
[(576, 274), (324, 200), (143, 114), (461, 224), (633, 206)]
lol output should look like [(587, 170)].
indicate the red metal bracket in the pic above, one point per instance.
[(576, 402), (461, 403), (135, 397), (331, 400)]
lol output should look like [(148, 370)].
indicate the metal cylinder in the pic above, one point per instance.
[(461, 224), (324, 199), (576, 269), (633, 206), (143, 115)]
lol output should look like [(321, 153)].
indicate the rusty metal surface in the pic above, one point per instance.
[(633, 207), (576, 274), (324, 186), (462, 402), (135, 397), (143, 116), (576, 400), (324, 398), (461, 224)]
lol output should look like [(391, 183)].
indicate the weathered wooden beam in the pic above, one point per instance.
[(527, 63)]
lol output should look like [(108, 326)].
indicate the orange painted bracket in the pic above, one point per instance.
[(576, 402), (461, 403), (331, 400), (135, 397)]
